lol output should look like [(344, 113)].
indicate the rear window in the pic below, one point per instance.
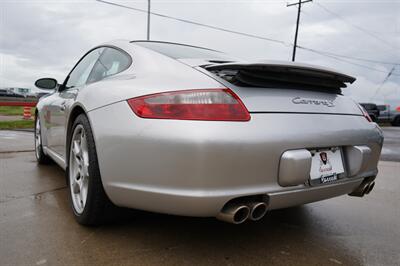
[(180, 51), (111, 62)]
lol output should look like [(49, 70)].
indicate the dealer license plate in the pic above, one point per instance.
[(326, 165)]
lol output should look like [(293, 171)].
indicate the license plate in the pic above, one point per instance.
[(326, 165)]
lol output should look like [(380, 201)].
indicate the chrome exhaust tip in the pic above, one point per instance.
[(363, 189), (370, 187), (235, 214), (257, 210)]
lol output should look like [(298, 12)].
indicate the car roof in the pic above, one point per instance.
[(175, 43)]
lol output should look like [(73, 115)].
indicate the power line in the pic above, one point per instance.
[(384, 81), (357, 27), (195, 23), (148, 20), (323, 53), (351, 63), (297, 24), (348, 57)]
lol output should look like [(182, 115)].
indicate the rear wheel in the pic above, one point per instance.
[(88, 198), (40, 156)]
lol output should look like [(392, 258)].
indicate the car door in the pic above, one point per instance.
[(65, 97)]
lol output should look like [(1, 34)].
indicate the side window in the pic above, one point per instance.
[(80, 74), (111, 62)]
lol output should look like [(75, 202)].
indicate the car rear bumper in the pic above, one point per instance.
[(195, 167)]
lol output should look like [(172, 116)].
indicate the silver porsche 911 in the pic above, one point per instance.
[(185, 130)]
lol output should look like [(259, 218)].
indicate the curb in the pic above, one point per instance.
[(31, 130)]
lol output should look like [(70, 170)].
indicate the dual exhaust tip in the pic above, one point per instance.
[(239, 213)]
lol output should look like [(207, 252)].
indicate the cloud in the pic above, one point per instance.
[(46, 38)]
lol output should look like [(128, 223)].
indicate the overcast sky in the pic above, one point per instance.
[(45, 38)]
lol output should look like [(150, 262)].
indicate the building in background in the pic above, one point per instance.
[(22, 91)]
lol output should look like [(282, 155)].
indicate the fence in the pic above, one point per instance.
[(27, 103)]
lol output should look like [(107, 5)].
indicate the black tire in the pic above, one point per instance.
[(97, 201), (396, 122), (41, 157)]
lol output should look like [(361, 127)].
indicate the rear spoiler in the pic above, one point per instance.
[(276, 73)]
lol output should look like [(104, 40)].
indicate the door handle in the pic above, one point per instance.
[(62, 107)]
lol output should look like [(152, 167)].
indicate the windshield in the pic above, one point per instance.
[(180, 51)]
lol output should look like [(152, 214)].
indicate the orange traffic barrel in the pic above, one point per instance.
[(27, 113)]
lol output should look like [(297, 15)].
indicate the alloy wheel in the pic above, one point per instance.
[(79, 168), (38, 139)]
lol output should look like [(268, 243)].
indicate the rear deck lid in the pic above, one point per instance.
[(275, 86), (277, 73)]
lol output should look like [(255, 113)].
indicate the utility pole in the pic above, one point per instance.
[(383, 82), (297, 24), (148, 20)]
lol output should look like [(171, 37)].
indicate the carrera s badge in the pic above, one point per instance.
[(299, 100)]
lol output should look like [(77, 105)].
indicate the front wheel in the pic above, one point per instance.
[(87, 196), (41, 157)]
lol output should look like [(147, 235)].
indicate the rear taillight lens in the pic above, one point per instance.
[(398, 108), (365, 113), (203, 104)]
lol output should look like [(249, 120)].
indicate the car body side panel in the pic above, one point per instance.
[(165, 165), (62, 107), (150, 72)]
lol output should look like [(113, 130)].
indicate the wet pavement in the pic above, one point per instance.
[(37, 227), (11, 141), (10, 117), (391, 146)]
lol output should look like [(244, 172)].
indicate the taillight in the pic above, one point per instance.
[(203, 104), (398, 108), (365, 113)]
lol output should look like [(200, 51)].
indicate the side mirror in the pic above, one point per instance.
[(46, 83)]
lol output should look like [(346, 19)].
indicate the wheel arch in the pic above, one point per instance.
[(39, 115), (76, 110)]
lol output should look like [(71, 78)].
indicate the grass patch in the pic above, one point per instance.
[(18, 124), (14, 110)]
